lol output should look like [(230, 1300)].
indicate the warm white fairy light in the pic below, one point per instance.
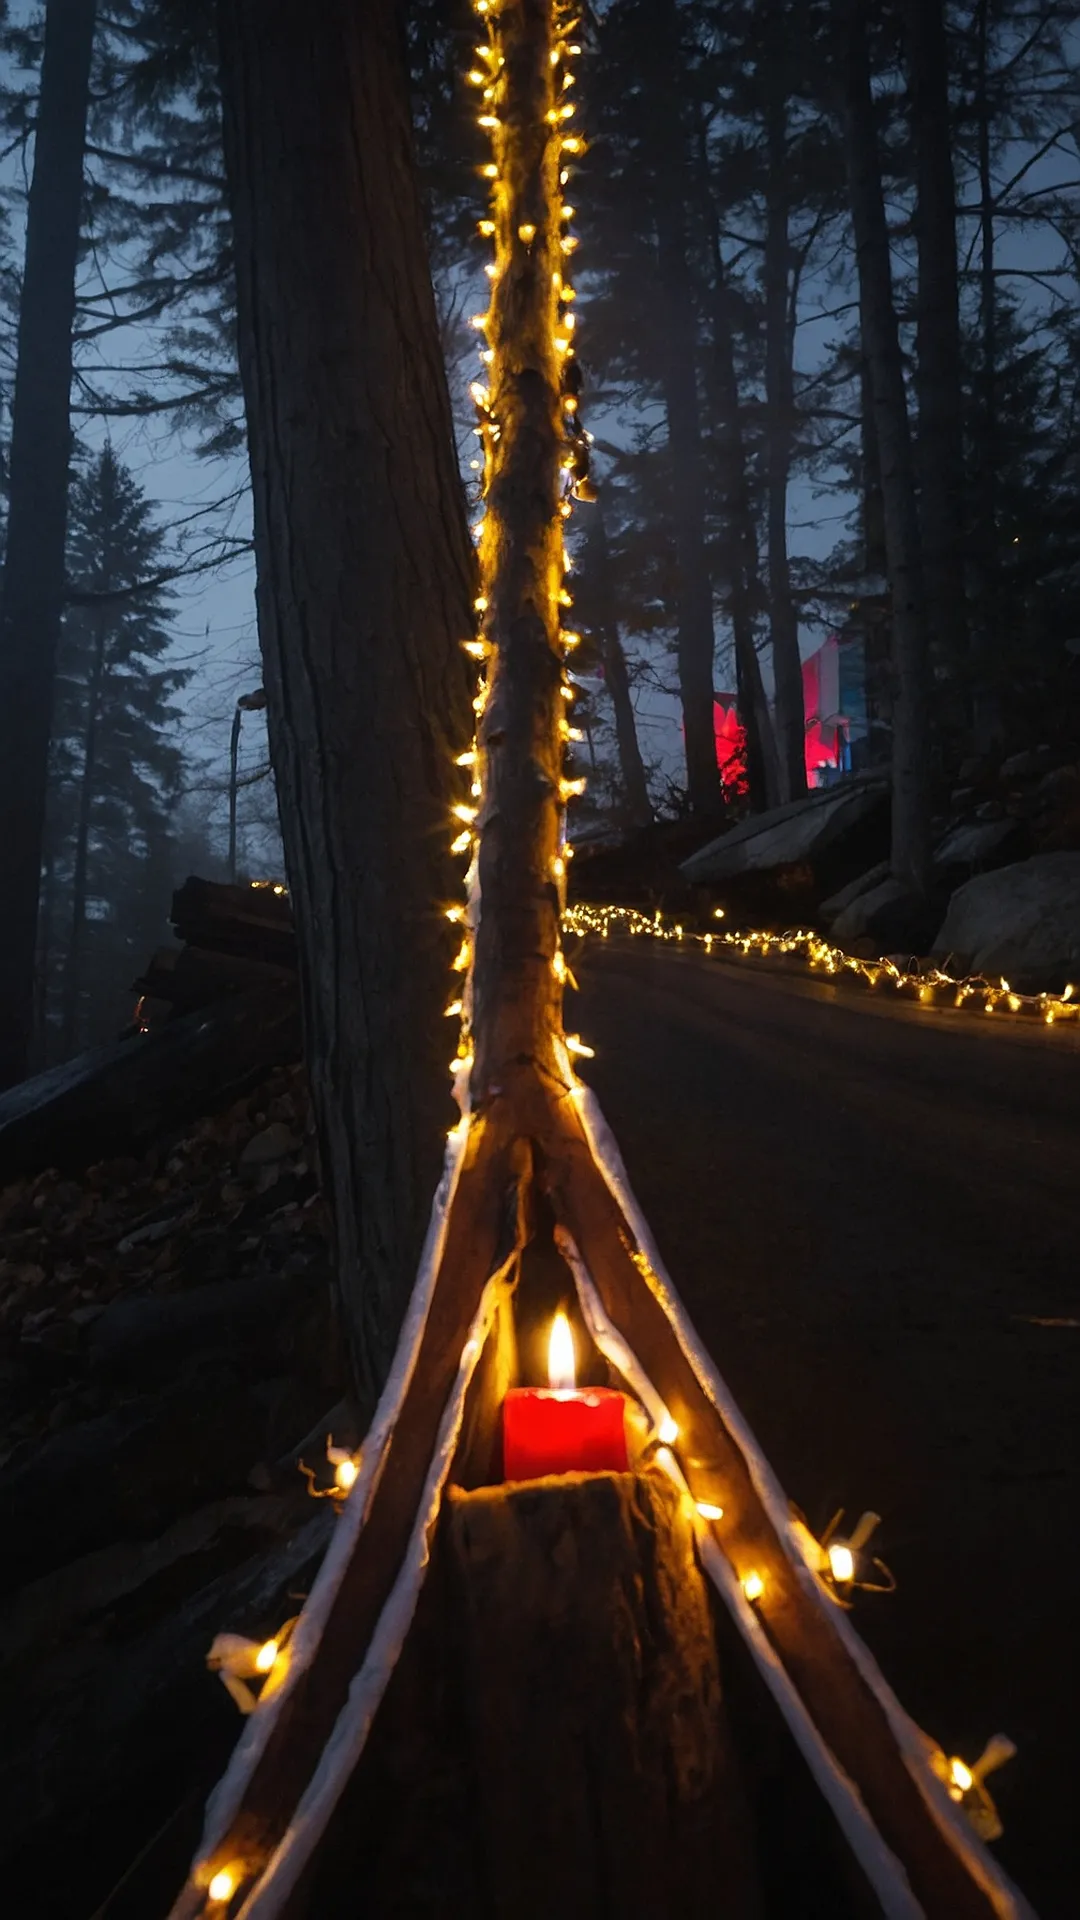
[(508, 230), (935, 986)]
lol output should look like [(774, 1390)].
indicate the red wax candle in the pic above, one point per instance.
[(563, 1430)]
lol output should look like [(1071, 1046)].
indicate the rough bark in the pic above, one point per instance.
[(744, 584), (31, 596), (780, 421), (985, 516), (873, 506), (694, 607), (593, 1702), (938, 382), (365, 583), (516, 994), (910, 856), (82, 840), (554, 1739), (617, 680), (117, 1099)]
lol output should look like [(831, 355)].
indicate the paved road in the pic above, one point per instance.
[(872, 1214)]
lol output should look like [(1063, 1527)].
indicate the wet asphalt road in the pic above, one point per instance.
[(872, 1212)]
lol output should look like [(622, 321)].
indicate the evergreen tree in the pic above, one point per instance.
[(31, 591), (116, 766)]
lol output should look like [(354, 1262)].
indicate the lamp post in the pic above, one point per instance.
[(247, 703)]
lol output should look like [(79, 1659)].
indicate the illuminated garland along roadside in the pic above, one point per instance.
[(975, 991)]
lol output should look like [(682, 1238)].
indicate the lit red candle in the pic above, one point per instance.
[(563, 1428)]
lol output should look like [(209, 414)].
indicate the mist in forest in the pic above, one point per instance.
[(728, 356)]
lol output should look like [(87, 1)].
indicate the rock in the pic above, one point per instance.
[(990, 810), (972, 770), (1060, 783), (981, 843), (795, 835), (1022, 922), (275, 1142), (888, 916), (85, 1316), (1027, 766), (961, 799), (835, 905)]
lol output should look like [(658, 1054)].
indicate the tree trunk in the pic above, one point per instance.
[(82, 839), (763, 773), (696, 633), (694, 599), (516, 987), (365, 584), (873, 506), (31, 597), (617, 680), (940, 444), (985, 542), (910, 761), (780, 416)]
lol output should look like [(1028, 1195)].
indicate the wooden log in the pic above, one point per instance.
[(117, 1099), (105, 1733), (554, 1740), (485, 1231), (253, 922), (604, 1772), (128, 1473), (190, 977)]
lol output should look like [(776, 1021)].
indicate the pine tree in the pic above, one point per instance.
[(31, 594), (116, 767)]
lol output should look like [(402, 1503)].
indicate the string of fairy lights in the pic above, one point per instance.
[(932, 986), (505, 227), (253, 1670)]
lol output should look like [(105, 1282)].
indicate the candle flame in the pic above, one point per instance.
[(561, 1368)]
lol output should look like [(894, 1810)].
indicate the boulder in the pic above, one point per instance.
[(1022, 922), (1027, 766), (832, 908), (888, 916), (981, 843), (805, 833)]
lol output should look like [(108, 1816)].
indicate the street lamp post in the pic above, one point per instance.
[(247, 703)]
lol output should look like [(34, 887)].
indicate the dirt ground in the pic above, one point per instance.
[(871, 1212)]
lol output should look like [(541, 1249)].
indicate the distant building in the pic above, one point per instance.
[(844, 702)]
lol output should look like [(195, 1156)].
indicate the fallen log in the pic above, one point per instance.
[(186, 978), (117, 1099), (129, 1473), (252, 922), (124, 1720), (254, 1323)]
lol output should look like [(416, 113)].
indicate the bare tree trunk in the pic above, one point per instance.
[(910, 761), (616, 679), (696, 632), (940, 443), (365, 583), (694, 595), (70, 1013), (985, 540), (32, 594), (780, 415), (873, 506), (517, 998), (744, 584)]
